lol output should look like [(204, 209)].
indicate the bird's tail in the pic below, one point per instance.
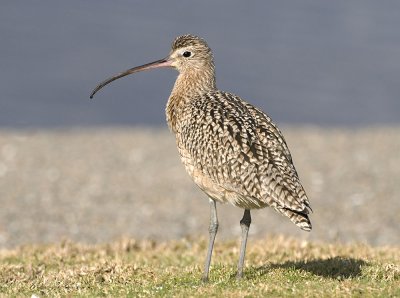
[(299, 218)]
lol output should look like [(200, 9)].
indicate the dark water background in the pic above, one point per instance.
[(306, 62)]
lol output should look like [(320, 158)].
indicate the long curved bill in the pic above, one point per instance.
[(166, 62)]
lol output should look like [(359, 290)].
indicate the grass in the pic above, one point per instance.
[(276, 266)]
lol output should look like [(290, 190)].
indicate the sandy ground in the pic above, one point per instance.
[(95, 185)]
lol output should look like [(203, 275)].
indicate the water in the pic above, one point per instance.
[(305, 62)]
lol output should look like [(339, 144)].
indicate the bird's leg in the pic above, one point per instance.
[(213, 232), (245, 225)]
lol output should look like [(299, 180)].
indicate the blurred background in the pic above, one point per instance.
[(92, 170)]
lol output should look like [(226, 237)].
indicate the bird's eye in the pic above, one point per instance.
[(187, 54)]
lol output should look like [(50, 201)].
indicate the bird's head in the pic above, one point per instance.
[(188, 53)]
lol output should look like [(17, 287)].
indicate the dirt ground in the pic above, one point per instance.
[(96, 185)]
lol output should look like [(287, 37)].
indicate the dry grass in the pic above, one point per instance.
[(276, 266)]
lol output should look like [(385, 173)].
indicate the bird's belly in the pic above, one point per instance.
[(216, 191), (203, 181)]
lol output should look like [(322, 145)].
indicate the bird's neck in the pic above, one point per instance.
[(188, 85)]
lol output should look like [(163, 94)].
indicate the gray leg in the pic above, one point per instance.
[(245, 225), (213, 232)]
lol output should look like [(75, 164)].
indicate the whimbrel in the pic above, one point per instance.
[(231, 149)]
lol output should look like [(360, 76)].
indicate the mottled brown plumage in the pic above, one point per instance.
[(231, 149)]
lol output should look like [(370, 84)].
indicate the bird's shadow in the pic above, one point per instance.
[(336, 267)]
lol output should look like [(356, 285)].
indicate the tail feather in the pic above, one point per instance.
[(299, 218)]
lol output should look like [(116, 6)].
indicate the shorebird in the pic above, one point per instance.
[(231, 149)]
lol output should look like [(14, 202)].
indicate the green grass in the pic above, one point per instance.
[(275, 266)]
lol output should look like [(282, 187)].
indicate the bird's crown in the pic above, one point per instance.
[(188, 40)]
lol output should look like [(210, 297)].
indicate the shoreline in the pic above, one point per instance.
[(94, 185)]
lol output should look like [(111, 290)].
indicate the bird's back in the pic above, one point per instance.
[(236, 154)]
